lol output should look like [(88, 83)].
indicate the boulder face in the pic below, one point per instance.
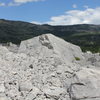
[(48, 44), (48, 68)]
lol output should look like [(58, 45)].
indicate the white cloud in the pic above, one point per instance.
[(74, 6), (18, 2), (13, 4), (25, 1), (85, 6), (2, 4), (35, 22), (87, 16)]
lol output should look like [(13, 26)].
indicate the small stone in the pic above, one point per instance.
[(26, 86), (2, 88), (54, 92)]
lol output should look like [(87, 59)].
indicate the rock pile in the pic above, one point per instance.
[(48, 68)]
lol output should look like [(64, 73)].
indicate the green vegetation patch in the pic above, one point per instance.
[(77, 58)]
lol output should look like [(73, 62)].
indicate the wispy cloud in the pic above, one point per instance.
[(85, 6), (25, 1), (74, 6), (87, 16), (18, 2), (2, 4), (35, 22), (71, 17), (13, 4)]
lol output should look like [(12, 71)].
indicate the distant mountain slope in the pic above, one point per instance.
[(86, 36)]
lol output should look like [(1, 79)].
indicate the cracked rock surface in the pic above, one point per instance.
[(48, 68)]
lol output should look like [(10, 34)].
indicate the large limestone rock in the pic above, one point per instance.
[(46, 45), (85, 85)]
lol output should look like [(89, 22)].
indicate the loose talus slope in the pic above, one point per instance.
[(48, 68)]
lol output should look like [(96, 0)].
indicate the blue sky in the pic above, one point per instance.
[(54, 12)]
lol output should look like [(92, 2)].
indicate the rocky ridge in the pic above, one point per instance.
[(48, 68)]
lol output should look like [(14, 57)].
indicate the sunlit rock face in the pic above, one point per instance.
[(48, 45), (48, 68)]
